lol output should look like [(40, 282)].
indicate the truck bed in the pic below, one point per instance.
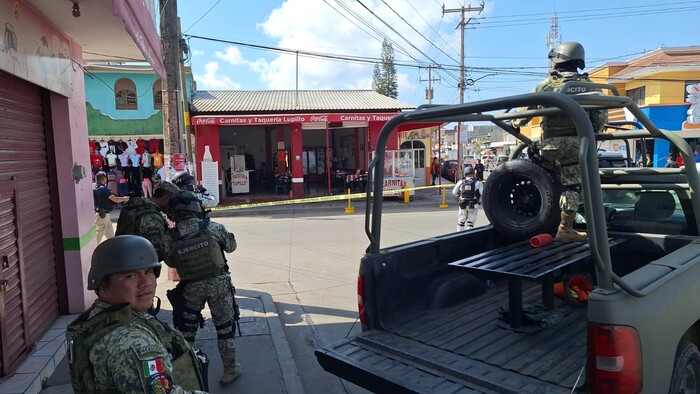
[(468, 348)]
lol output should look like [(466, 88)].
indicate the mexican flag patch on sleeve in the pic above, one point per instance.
[(152, 367)]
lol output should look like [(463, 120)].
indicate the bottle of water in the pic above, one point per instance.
[(549, 321)]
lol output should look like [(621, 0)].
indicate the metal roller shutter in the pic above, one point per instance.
[(28, 280)]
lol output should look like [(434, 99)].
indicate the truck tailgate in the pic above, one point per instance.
[(384, 362)]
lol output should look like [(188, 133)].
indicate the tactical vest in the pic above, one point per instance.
[(469, 192), (130, 218), (561, 125), (197, 256), (84, 332)]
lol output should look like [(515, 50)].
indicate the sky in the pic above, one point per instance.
[(252, 45)]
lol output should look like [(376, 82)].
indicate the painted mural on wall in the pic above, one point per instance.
[(693, 97), (101, 124), (33, 50)]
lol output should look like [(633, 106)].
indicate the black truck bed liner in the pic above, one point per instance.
[(467, 348)]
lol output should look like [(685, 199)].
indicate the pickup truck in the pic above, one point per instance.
[(450, 313)]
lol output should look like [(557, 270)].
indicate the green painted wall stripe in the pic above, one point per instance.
[(77, 243)]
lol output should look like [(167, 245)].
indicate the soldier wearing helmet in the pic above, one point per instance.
[(559, 147), (117, 345), (195, 248), (145, 216), (185, 181), (468, 191)]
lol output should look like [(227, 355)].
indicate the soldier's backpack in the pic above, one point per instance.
[(130, 218)]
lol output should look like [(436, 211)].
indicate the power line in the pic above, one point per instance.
[(200, 18), (419, 33)]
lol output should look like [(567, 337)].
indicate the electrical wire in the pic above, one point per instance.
[(419, 33), (205, 14)]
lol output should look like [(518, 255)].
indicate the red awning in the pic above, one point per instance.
[(140, 26)]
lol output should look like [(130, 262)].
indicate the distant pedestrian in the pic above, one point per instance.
[(435, 169), (117, 345), (696, 152), (479, 170), (105, 201), (468, 191), (670, 163)]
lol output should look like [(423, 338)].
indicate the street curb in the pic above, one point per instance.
[(290, 373)]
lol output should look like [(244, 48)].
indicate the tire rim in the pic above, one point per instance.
[(519, 199)]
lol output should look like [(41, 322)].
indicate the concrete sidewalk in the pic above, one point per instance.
[(263, 351)]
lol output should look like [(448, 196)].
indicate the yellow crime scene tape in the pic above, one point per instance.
[(338, 197)]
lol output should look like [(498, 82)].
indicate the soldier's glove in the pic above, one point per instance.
[(533, 152)]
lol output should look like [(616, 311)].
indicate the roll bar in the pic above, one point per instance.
[(539, 104)]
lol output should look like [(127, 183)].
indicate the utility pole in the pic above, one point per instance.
[(463, 25), (185, 109), (429, 90), (170, 37)]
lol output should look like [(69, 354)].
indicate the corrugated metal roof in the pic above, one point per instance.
[(275, 101)]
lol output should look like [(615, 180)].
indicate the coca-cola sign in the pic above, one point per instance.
[(252, 120)]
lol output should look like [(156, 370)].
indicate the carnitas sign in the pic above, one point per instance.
[(252, 120)]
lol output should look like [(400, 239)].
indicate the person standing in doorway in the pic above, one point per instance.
[(468, 191), (105, 200)]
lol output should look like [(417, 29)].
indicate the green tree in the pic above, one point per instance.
[(384, 79)]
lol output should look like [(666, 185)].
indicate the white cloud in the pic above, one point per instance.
[(312, 25), (197, 53), (213, 80), (232, 55)]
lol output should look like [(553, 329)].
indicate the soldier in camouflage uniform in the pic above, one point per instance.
[(195, 248), (144, 216), (118, 345), (560, 143)]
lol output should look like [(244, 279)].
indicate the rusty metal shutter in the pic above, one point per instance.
[(31, 296)]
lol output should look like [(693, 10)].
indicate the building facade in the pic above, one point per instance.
[(47, 231)]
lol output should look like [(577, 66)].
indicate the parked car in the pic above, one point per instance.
[(500, 159), (450, 170)]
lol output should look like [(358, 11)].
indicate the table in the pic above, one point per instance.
[(521, 261)]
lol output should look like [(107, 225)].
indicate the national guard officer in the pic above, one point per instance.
[(195, 248), (468, 191), (117, 345), (144, 216), (560, 143)]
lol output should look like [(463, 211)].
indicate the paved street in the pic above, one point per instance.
[(309, 263)]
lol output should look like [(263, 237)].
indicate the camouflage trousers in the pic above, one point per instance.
[(217, 293), (561, 154)]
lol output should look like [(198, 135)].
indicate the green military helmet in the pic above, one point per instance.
[(123, 253), (569, 51), (169, 186)]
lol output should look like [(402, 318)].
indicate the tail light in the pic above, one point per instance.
[(361, 299), (614, 359)]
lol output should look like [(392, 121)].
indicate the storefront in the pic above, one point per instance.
[(322, 150)]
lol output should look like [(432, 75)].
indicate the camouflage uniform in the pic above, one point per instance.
[(151, 222), (215, 290), (560, 142), (118, 359)]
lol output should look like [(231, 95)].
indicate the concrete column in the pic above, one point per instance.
[(297, 165)]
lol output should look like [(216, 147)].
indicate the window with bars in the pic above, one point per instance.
[(125, 94), (637, 94), (157, 95)]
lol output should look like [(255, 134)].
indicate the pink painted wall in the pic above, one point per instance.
[(69, 120), (207, 135)]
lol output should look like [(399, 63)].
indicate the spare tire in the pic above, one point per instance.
[(521, 199)]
